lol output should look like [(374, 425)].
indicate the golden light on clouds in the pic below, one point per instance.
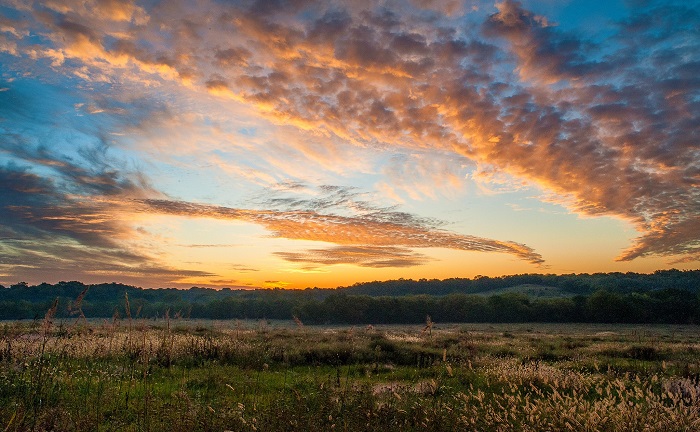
[(352, 140)]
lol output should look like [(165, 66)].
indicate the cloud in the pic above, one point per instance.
[(104, 10), (362, 256), (336, 200), (618, 140), (447, 7), (605, 126), (208, 245), (544, 54), (46, 233), (244, 269), (420, 176), (369, 227)]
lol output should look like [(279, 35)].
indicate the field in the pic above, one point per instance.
[(179, 375)]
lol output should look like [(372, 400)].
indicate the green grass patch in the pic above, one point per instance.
[(213, 377)]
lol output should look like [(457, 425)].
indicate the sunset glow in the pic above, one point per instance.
[(298, 143)]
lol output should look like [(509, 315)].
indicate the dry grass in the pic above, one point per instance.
[(189, 376)]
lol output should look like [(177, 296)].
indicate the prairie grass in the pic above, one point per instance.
[(177, 375)]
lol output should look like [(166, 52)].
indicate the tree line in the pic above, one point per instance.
[(670, 296), (568, 284)]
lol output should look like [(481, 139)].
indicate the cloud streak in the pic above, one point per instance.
[(387, 230), (362, 256)]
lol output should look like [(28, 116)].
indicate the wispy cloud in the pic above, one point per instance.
[(363, 256), (243, 269), (374, 228)]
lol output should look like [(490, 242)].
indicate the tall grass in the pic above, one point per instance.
[(179, 375)]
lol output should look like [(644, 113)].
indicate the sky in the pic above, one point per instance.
[(300, 143)]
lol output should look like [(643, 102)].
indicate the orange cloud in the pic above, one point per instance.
[(609, 128), (363, 256), (344, 230)]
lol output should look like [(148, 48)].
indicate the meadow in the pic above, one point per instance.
[(184, 375)]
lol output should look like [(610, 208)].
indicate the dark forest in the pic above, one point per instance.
[(669, 296)]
